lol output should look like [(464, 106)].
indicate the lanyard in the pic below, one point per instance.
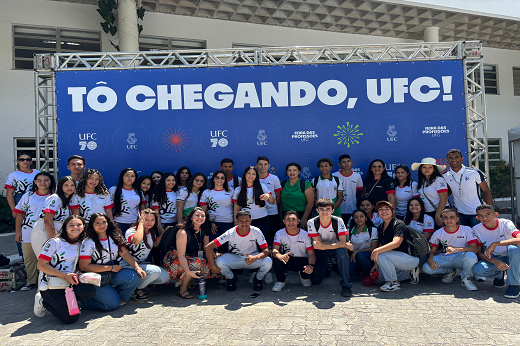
[(199, 242), (460, 181)]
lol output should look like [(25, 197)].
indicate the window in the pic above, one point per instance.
[(153, 43), (490, 79), (494, 152), (516, 81), (30, 40)]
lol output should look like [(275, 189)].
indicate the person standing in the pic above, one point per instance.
[(378, 185), (405, 189), (328, 186), (76, 166), (352, 186), (227, 165), (128, 199), (273, 184), (297, 194), (464, 183)]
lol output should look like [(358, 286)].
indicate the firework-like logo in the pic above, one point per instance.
[(348, 134), (441, 161), (176, 139)]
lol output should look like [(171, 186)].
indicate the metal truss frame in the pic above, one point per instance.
[(46, 66)]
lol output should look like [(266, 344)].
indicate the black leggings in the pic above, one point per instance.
[(55, 302)]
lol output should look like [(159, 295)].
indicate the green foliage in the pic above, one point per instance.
[(7, 223), (500, 180)]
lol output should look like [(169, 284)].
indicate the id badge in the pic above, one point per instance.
[(201, 254), (459, 193)]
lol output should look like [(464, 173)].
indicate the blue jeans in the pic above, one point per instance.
[(343, 265), (395, 265), (229, 261), (362, 261), (123, 227), (489, 270), (107, 297), (448, 262), (155, 275), (468, 220)]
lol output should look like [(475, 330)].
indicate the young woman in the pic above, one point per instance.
[(189, 197), (297, 194), (100, 253), (182, 177), (164, 200), (91, 196), (156, 177), (395, 258), (27, 212), (218, 201), (141, 237), (184, 261), (367, 206), (378, 185), (417, 219), (58, 259), (432, 188), (251, 195), (147, 187), (363, 236), (128, 199), (405, 189), (55, 211)]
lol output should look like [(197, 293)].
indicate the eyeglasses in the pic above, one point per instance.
[(28, 160)]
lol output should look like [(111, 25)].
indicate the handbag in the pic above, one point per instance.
[(57, 283)]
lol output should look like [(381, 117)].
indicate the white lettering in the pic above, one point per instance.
[(323, 92), (131, 97), (246, 93), (93, 102), (430, 95), (222, 100), (192, 96), (296, 93), (77, 98), (280, 97), (164, 97)]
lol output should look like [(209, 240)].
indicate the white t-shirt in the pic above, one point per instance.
[(91, 204), (168, 210), (363, 240), (298, 244), (505, 229), (351, 185), (88, 251), (403, 195), (376, 220), (54, 206), (60, 254), (139, 252), (190, 201), (130, 205), (242, 245), (427, 226), (20, 182), (432, 192), (220, 205), (462, 237), (30, 205), (326, 232), (256, 211), (273, 184), (464, 186), (231, 185), (327, 188)]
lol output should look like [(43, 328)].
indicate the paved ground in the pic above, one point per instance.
[(429, 313)]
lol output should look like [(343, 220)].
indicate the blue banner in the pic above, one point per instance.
[(163, 119)]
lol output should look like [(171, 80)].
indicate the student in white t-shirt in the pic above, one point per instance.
[(181, 177), (147, 187), (164, 200), (501, 241), (76, 166), (366, 205), (273, 184), (243, 253), (405, 189), (352, 186), (227, 166), (128, 199), (363, 237), (91, 196), (417, 219), (292, 250), (189, 197), (328, 186), (458, 245), (218, 201)]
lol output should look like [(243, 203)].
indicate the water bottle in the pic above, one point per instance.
[(370, 279), (202, 287), (71, 301)]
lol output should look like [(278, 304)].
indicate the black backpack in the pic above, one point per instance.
[(302, 184), (335, 224), (169, 240), (235, 181), (420, 243)]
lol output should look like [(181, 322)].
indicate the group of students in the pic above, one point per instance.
[(177, 227)]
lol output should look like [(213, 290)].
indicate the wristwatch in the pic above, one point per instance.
[(310, 264)]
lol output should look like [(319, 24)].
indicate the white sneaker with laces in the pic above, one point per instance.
[(466, 282), (278, 286), (390, 286), (305, 282), (27, 287), (39, 310), (450, 276), (268, 279)]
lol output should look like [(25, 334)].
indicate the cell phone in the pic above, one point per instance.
[(254, 295)]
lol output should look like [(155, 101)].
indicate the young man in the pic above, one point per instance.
[(328, 186), (273, 183), (227, 165), (501, 240), (76, 166), (352, 186), (458, 245), (464, 183), (330, 240), (243, 253), (292, 250)]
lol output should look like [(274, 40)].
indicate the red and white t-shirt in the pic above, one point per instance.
[(273, 184), (326, 232), (462, 237), (60, 254), (257, 212), (504, 230), (20, 182), (421, 227), (298, 244), (89, 251), (91, 204), (54, 206), (242, 244), (130, 205), (220, 205), (140, 252), (168, 210), (30, 206), (430, 194)]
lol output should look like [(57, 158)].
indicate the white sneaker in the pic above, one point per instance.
[(268, 279), (390, 286), (305, 282), (39, 310), (27, 287), (414, 276), (466, 282), (252, 277), (278, 286), (222, 280), (450, 276)]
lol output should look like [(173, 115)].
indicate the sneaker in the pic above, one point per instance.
[(346, 292), (122, 302), (512, 291), (390, 286), (39, 310), (268, 279), (27, 287), (139, 295), (222, 280), (305, 282), (450, 276), (501, 282), (414, 276), (258, 285), (278, 286), (466, 282), (232, 284)]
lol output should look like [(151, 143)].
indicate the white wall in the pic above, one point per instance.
[(17, 94)]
